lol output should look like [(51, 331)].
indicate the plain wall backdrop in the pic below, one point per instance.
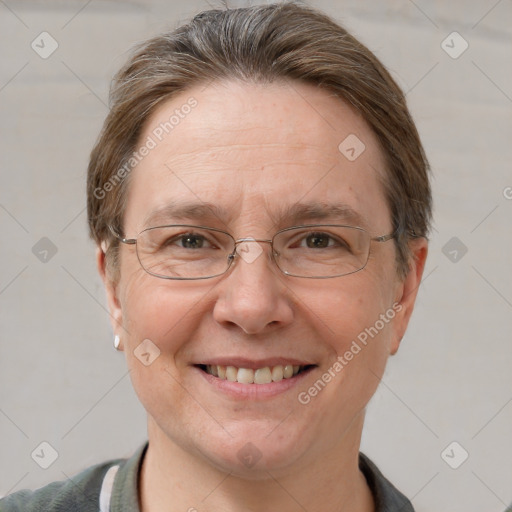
[(61, 381)]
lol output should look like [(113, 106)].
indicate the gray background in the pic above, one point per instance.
[(60, 379)]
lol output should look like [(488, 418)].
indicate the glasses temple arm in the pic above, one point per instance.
[(129, 241)]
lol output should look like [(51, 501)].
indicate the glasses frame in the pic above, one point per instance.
[(232, 255)]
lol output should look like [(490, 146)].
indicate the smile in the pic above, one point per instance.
[(263, 375)]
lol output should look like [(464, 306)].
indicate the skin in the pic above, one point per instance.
[(253, 149)]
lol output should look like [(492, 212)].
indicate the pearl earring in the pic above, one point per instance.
[(117, 341)]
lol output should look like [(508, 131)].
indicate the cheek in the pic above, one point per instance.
[(159, 318), (345, 307), (165, 312), (347, 318), (362, 338), (354, 319)]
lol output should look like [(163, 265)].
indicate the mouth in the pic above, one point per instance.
[(256, 376)]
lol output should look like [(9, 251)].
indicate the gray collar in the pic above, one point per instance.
[(119, 491)]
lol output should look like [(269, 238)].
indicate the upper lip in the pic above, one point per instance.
[(243, 362)]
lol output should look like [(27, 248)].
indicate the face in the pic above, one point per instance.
[(253, 154)]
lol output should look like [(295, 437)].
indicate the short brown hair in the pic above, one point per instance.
[(259, 44)]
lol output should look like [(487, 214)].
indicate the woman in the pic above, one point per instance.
[(260, 201)]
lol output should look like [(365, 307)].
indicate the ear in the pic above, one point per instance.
[(114, 306), (407, 291)]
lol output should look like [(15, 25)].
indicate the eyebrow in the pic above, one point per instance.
[(288, 215), (300, 212), (186, 211)]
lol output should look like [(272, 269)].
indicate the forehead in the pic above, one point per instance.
[(257, 150)]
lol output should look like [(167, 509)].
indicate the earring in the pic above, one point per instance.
[(117, 341)]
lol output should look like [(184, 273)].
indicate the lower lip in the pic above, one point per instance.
[(253, 391)]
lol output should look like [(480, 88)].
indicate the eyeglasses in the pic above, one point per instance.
[(197, 252)]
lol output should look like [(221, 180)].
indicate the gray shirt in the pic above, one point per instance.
[(113, 487)]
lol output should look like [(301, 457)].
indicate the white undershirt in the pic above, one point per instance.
[(106, 488)]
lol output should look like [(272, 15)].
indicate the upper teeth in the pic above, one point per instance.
[(263, 375)]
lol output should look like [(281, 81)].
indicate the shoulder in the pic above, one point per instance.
[(387, 497), (79, 493)]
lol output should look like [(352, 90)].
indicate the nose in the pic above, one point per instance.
[(252, 295)]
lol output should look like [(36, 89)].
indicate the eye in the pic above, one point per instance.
[(320, 240), (317, 240), (191, 241), (179, 241)]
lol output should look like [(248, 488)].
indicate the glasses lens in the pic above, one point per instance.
[(184, 252), (321, 251)]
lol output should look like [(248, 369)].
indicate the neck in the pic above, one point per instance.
[(173, 480)]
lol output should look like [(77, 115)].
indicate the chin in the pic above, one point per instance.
[(255, 451)]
